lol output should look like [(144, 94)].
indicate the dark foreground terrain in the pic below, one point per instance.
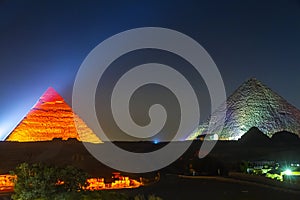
[(175, 188), (226, 156)]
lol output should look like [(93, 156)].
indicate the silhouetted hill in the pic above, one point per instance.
[(285, 137), (254, 137)]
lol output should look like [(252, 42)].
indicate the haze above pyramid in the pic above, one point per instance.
[(51, 117), (253, 105)]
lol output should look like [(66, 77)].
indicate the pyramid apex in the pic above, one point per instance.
[(51, 95), (252, 83), (253, 80), (51, 90)]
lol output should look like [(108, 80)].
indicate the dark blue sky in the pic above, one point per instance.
[(43, 43)]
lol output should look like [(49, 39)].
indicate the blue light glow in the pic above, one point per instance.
[(11, 119), (155, 141)]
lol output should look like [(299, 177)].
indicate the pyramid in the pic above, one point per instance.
[(51, 117), (252, 105)]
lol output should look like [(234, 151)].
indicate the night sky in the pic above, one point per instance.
[(43, 43)]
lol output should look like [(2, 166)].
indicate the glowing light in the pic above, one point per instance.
[(215, 137), (287, 172), (155, 141)]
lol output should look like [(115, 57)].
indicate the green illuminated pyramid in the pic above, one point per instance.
[(253, 105)]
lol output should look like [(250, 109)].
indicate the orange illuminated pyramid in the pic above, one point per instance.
[(51, 118)]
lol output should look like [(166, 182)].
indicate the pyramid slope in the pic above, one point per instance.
[(254, 105), (50, 118)]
